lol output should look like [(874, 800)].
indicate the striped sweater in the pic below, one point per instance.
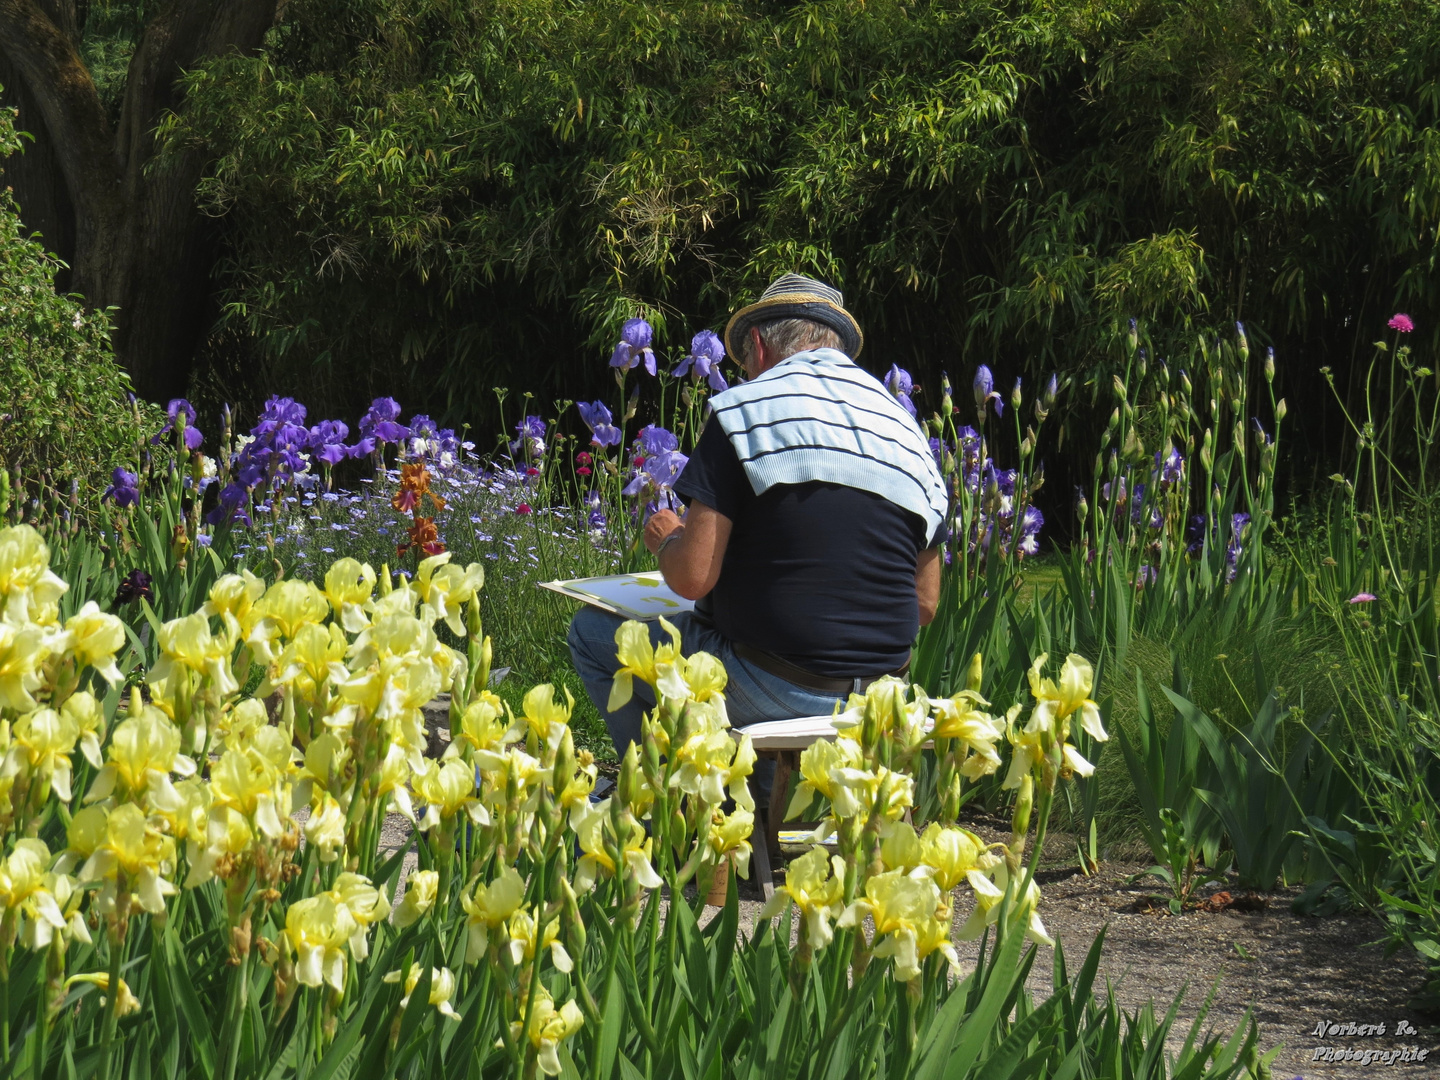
[(817, 416)]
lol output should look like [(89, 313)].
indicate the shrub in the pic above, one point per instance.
[(65, 416)]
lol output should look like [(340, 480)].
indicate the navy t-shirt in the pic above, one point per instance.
[(820, 574)]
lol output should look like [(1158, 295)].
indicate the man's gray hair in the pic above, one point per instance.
[(786, 337)]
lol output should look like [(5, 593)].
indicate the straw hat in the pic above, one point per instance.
[(795, 296)]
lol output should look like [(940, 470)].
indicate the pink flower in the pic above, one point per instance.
[(1361, 598), (1401, 322), (523, 508), (583, 470)]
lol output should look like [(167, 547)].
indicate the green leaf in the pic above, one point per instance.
[(196, 1014)]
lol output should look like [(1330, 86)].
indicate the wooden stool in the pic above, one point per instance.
[(781, 741)]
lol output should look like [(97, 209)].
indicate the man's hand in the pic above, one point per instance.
[(691, 564), (927, 584), (661, 524)]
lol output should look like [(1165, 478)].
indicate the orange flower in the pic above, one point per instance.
[(423, 535), (415, 485)]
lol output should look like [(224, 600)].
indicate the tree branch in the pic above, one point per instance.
[(64, 92)]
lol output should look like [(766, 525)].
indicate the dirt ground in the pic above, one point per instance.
[(1291, 971)]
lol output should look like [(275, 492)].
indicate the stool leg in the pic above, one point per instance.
[(760, 859), (785, 763)]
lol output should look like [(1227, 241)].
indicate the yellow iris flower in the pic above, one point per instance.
[(960, 717), (128, 1002), (130, 845), (40, 745), (817, 762), (730, 834), (548, 1027), (484, 725), (989, 890), (349, 585), (88, 716), (420, 890), (1058, 703), (188, 644), (816, 891), (900, 905), (590, 829), (488, 908), (22, 650), (521, 932), (442, 988), (26, 899), (317, 929), (29, 590), (143, 752), (233, 597), (638, 658), (286, 607), (546, 717), (446, 588), (93, 637), (449, 789)]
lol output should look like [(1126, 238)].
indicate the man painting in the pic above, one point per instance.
[(811, 539)]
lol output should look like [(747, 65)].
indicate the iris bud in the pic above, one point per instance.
[(1082, 506), (1280, 410), (1015, 397), (1185, 382), (1134, 337), (386, 584), (947, 406), (1118, 386), (1269, 365), (1239, 437), (973, 675), (1244, 345)]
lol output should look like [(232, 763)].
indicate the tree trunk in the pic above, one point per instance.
[(139, 245)]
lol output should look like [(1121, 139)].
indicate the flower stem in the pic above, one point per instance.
[(112, 1007)]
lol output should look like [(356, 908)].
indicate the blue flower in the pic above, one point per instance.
[(530, 439), (603, 431), (707, 352), (634, 346), (984, 389), (901, 385), (379, 422), (654, 440), (124, 488), (231, 505), (180, 407)]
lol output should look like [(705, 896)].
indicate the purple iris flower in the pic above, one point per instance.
[(327, 441), (380, 421), (598, 419), (655, 440), (1234, 549), (124, 488), (707, 352), (1172, 468), (656, 477), (984, 388), (634, 346), (530, 439), (134, 586), (1031, 523), (278, 411), (231, 505), (180, 407), (937, 451), (901, 386)]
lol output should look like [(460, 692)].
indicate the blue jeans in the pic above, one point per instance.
[(751, 693)]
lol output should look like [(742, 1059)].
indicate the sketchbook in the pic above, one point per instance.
[(635, 596)]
